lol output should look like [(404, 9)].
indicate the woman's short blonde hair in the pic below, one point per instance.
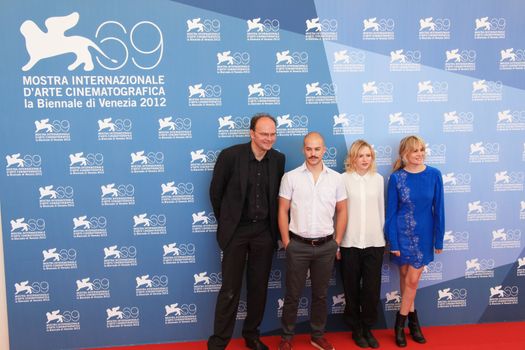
[(406, 145), (353, 153)]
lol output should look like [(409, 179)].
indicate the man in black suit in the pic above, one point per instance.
[(243, 193)]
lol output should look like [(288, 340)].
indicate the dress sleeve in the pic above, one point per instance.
[(391, 214), (439, 212)]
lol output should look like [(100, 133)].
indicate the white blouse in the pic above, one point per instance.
[(366, 210)]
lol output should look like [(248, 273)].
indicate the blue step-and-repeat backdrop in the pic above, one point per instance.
[(114, 113)]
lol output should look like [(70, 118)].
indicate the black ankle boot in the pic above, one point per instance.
[(359, 339), (399, 330), (415, 328)]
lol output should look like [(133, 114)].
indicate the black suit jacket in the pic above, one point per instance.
[(228, 189)]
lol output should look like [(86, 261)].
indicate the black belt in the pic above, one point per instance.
[(312, 241)]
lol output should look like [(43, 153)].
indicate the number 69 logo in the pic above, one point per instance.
[(54, 42), (142, 57)]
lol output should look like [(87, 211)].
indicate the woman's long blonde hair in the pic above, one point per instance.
[(406, 145), (353, 153)]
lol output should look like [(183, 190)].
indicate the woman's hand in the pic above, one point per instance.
[(395, 252), (438, 251)]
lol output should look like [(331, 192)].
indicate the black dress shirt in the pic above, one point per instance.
[(255, 207)]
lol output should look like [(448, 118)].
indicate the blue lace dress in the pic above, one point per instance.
[(415, 216)]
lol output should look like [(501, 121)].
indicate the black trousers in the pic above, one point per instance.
[(361, 273), (252, 247), (320, 260)]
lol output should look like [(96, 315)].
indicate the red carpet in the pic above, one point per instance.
[(493, 336)]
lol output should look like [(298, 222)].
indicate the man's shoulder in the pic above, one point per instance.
[(275, 153), (235, 149), (332, 172), (297, 170)]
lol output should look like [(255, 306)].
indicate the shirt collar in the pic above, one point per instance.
[(251, 156), (356, 176), (304, 168)]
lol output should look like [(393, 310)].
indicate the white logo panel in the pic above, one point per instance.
[(178, 128), (112, 194), (483, 90), (26, 292), (263, 29), (180, 193), (22, 229), (47, 130), (348, 61), (292, 125), (321, 29), (59, 259), (62, 320), (431, 28), (98, 288), (154, 285), (123, 256), (229, 62), (180, 314), (119, 129), (23, 165), (479, 268), (201, 95), (481, 211), (402, 60), (454, 121), (94, 226), (291, 62), (452, 298), (183, 253), (149, 224), (204, 283), (203, 29), (127, 316), (489, 28), (203, 222), (458, 240), (203, 161), (484, 152), (54, 197), (500, 295), (378, 29), (460, 60)]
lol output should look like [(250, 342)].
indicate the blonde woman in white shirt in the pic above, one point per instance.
[(363, 244)]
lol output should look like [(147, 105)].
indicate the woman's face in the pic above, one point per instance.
[(363, 160), (416, 156)]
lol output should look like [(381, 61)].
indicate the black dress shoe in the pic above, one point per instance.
[(255, 344), (359, 339), (370, 339)]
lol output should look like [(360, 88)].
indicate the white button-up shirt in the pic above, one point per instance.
[(366, 210), (312, 206)]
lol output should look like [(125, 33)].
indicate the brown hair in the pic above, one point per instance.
[(353, 153), (407, 145), (255, 119)]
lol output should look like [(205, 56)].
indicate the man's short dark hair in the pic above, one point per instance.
[(255, 119)]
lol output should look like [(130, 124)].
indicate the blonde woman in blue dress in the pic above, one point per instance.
[(363, 244), (415, 220)]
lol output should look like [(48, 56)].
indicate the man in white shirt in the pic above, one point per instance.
[(309, 196)]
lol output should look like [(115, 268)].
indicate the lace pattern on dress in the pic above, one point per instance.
[(413, 255)]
